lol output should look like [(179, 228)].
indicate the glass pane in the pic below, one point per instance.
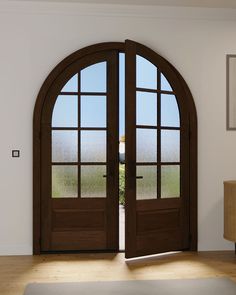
[(146, 73), (170, 181), (94, 78), (170, 146), (64, 146), (146, 186), (93, 146), (165, 85), (146, 111), (71, 85), (93, 182), (64, 181), (93, 111), (146, 145), (169, 111), (65, 112)]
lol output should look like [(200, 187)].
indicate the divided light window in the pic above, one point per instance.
[(157, 134), (79, 135)]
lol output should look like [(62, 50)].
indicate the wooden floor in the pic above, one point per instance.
[(16, 272)]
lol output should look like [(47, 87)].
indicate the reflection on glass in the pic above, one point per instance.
[(169, 111), (93, 182), (146, 142), (170, 146), (93, 111), (165, 85), (94, 78), (64, 146), (146, 112), (170, 181), (71, 85), (93, 146), (146, 186), (64, 181), (146, 73), (65, 111)]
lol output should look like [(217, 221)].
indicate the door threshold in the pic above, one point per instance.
[(82, 252)]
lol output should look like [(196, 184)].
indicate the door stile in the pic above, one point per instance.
[(130, 152), (112, 202)]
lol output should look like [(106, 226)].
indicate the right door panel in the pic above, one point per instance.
[(157, 156)]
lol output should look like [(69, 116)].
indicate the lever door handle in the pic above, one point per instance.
[(139, 177)]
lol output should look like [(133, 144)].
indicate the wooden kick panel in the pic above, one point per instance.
[(80, 219), (157, 220)]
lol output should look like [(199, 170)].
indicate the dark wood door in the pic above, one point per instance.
[(157, 155), (79, 144)]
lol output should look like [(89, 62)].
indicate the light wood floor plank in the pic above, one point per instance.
[(17, 271)]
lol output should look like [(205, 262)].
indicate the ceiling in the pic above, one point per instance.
[(192, 3)]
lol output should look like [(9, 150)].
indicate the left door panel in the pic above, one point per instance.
[(79, 137)]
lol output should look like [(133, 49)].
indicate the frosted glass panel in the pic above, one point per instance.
[(93, 111), (146, 142), (71, 85), (64, 181), (146, 73), (169, 111), (65, 112), (146, 186), (170, 181), (64, 146), (93, 182), (94, 78), (170, 146), (165, 85), (93, 146), (146, 104)]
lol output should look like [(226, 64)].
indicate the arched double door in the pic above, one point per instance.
[(76, 154)]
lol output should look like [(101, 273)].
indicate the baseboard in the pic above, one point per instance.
[(6, 250)]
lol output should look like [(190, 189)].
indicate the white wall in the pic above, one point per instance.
[(35, 37)]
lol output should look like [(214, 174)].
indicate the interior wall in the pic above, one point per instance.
[(35, 37)]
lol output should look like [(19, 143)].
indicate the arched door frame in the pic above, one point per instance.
[(166, 68)]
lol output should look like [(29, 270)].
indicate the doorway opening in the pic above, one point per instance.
[(115, 154)]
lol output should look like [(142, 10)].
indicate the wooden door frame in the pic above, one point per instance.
[(89, 50)]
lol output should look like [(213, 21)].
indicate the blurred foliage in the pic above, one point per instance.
[(122, 184)]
